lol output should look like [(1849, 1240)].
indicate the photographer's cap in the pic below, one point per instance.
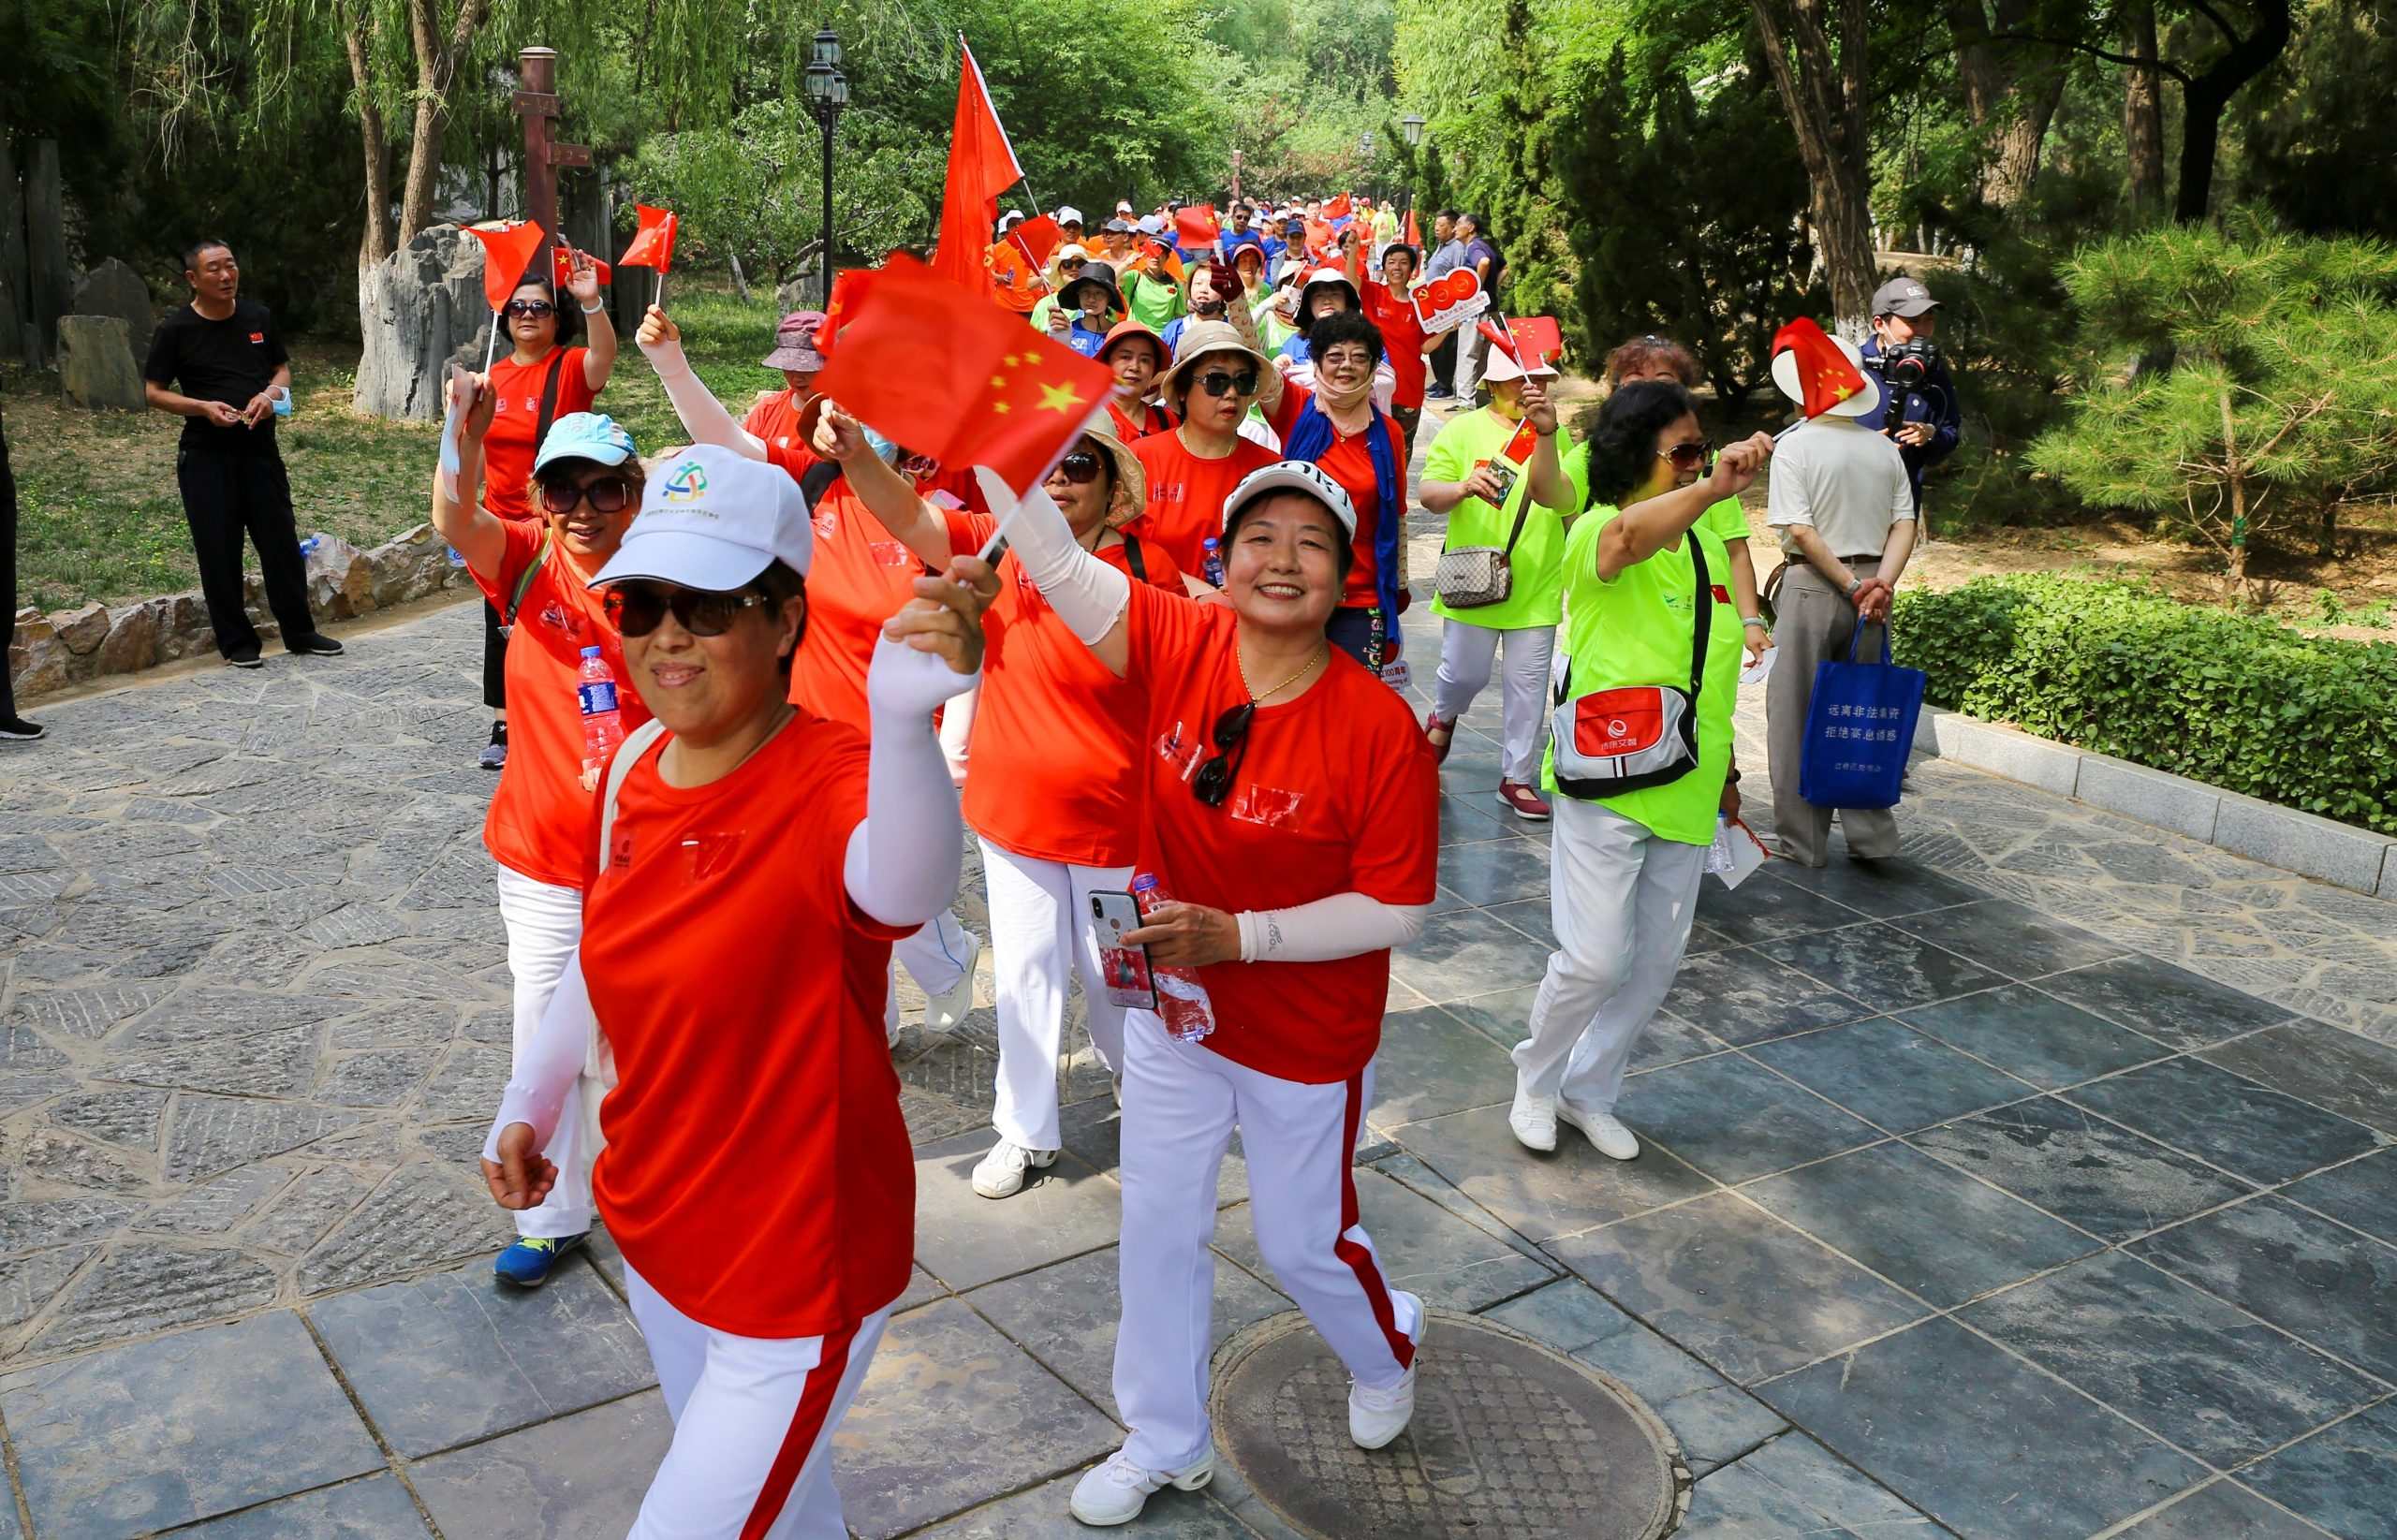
[(1905, 297), (711, 519)]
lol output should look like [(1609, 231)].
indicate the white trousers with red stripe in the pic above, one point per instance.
[(1181, 1104), (754, 1417)]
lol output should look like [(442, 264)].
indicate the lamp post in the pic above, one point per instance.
[(1412, 126), (827, 92), (1365, 159)]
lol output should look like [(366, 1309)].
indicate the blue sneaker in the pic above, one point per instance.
[(527, 1262)]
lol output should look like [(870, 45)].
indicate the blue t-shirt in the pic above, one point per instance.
[(1085, 341)]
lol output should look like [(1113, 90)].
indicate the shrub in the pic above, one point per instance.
[(2235, 701)]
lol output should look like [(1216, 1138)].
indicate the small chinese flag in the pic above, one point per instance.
[(508, 252), (653, 244), (1825, 376), (1036, 238), (1519, 449), (1338, 207), (1414, 231), (1538, 340), (561, 265), (1165, 253), (1499, 338), (1196, 226), (949, 376)]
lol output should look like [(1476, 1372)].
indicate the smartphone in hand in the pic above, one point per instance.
[(1124, 969)]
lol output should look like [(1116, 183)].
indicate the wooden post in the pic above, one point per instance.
[(536, 103)]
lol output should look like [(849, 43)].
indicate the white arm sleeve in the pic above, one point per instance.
[(903, 861), (546, 1070), (1343, 925), (703, 417), (1088, 595)]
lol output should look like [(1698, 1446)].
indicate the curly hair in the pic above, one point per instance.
[(1623, 447), (1346, 325), (1643, 353)]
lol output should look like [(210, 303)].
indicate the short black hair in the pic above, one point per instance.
[(781, 584), (1449, 215), (1623, 447), (1345, 325), (1344, 553), (206, 242)]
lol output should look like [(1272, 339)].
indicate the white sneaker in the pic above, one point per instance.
[(946, 1012), (1377, 1416), (1534, 1121), (1000, 1173), (1115, 1492), (1606, 1134)]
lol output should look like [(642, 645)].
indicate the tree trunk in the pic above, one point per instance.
[(2236, 475), (2011, 90), (2143, 112), (438, 58), (2205, 96), (357, 37), (1821, 89)]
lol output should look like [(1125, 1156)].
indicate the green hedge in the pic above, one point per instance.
[(2235, 701)]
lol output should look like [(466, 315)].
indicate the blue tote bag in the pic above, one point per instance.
[(1860, 729)]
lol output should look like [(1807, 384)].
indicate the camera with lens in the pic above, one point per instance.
[(1906, 366)]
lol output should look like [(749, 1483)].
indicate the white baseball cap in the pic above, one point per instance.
[(1068, 214), (711, 519), (1296, 475)]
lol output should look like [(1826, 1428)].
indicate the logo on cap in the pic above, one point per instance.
[(688, 482)]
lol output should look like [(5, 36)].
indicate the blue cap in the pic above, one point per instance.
[(585, 435)]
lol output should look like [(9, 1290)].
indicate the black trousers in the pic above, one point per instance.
[(1444, 359), (494, 660), (229, 495), (7, 571)]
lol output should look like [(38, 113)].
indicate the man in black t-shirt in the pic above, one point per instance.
[(219, 364)]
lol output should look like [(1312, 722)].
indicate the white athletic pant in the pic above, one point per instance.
[(754, 1418), (1181, 1104), (934, 956), (544, 924), (1466, 656), (1040, 931), (1621, 900)]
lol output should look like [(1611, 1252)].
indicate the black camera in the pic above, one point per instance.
[(1906, 365)]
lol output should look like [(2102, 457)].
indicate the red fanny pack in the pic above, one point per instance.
[(1635, 735)]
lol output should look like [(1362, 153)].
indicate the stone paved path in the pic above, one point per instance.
[(1957, 1218)]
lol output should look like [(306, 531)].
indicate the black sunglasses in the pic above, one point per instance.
[(636, 608), (610, 494), (1080, 467), (1214, 782), (1689, 457), (1217, 382), (531, 307)]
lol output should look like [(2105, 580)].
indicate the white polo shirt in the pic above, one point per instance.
[(1842, 478)]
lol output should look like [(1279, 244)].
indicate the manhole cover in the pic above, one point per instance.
[(1510, 1439)]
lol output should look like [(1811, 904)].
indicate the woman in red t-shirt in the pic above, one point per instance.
[(1137, 357), (1292, 815), (542, 366), (757, 1176), (1216, 375), (586, 482)]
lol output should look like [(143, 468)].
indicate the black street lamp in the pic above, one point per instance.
[(827, 92), (1412, 126)]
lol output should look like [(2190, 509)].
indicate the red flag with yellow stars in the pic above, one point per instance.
[(944, 373), (1825, 376)]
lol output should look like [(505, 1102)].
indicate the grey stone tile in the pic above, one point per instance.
[(1466, 954), (2170, 1004), (2012, 938), (966, 1241), (1881, 965), (2208, 1377), (1430, 1062), (1765, 908), (206, 1134), (1093, 1131), (2045, 1461), (2033, 1035), (2344, 1478), (2082, 1168), (1543, 1197), (2222, 1510), (1889, 1076), (29, 1283), (1534, 917), (584, 1475), (188, 1426), (2327, 1065), (2362, 1192), (1503, 1016), (1793, 1486), (424, 1212), (440, 1360), (2264, 1135), (1065, 1315), (376, 1508), (1713, 1420), (1883, 889), (1494, 870), (1468, 820), (1671, 1040), (146, 1286), (52, 1222), (952, 1415), (1040, 1514), (1748, 1295), (922, 1289), (2329, 1286), (1741, 995), (1733, 1119), (1922, 1225), (1425, 1248)]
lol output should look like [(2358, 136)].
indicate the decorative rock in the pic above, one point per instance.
[(95, 367), (411, 565), (114, 289), (132, 642), (48, 285), (40, 666), (83, 630), (341, 580), (419, 310)]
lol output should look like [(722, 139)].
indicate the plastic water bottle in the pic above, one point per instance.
[(308, 546), (456, 557), (603, 724), (1181, 1000), (1211, 565)]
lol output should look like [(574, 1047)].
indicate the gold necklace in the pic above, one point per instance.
[(1255, 696)]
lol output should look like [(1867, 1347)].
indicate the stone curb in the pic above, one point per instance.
[(2311, 846)]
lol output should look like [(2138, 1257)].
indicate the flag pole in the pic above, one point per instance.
[(490, 350)]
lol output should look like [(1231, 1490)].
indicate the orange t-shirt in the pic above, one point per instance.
[(1052, 749), (540, 822), (516, 417), (1337, 793), (860, 576), (1186, 494), (775, 422), (1349, 461), (758, 1172), (1020, 284)]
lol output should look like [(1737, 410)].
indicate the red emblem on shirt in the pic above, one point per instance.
[(258, 337), (1722, 594)]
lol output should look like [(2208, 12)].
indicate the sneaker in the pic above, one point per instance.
[(946, 1011), (1377, 1416), (1608, 1136), (1524, 801), (17, 729), (494, 754), (1442, 731), (1115, 1492), (1000, 1173), (316, 644), (245, 658), (527, 1262), (1534, 1121)]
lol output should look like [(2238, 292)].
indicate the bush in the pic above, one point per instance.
[(2235, 701)]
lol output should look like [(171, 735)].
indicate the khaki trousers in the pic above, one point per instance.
[(1812, 622)]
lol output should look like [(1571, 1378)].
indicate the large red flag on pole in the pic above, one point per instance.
[(508, 252), (981, 166)]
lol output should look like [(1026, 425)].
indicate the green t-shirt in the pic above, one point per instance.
[(1637, 630), (1536, 599), (1271, 328), (1726, 519), (1153, 301)]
